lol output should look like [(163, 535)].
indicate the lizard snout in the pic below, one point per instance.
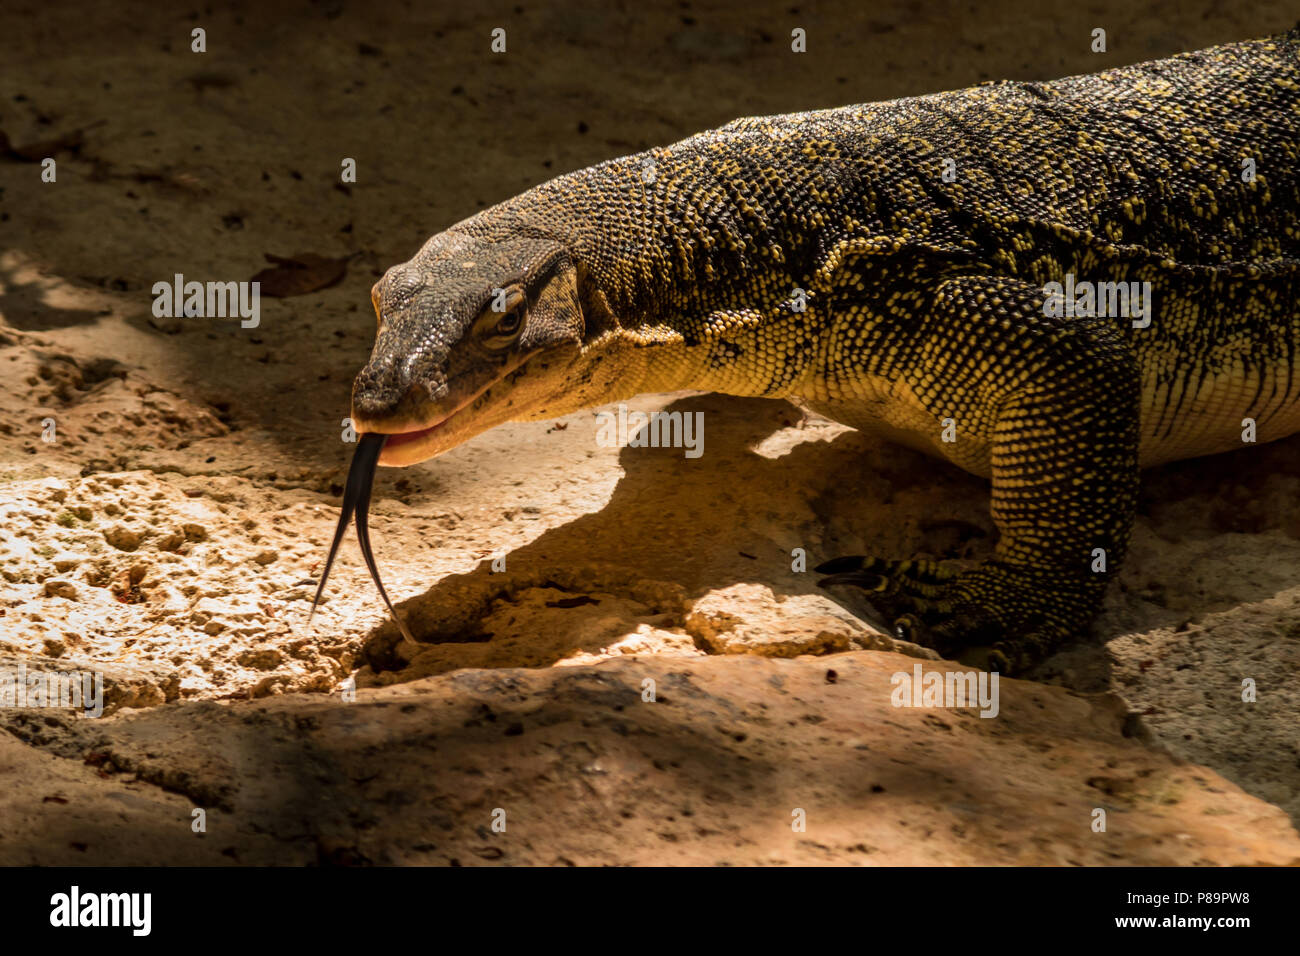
[(387, 394)]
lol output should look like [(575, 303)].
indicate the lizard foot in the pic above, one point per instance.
[(1010, 616)]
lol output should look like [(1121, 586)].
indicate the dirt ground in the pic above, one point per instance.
[(171, 535)]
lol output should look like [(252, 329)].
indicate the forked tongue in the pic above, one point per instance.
[(356, 501)]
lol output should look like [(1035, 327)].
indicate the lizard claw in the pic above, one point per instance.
[(909, 628), (901, 598), (857, 579), (1007, 617)]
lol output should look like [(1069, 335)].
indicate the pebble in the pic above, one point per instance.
[(63, 589), (122, 538)]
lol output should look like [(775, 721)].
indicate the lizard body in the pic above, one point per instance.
[(886, 265)]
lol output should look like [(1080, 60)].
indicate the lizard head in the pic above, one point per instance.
[(471, 334)]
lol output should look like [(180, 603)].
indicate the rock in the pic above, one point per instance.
[(166, 324), (749, 619), (235, 608), (152, 823), (265, 659), (63, 589), (171, 542), (732, 751), (122, 537)]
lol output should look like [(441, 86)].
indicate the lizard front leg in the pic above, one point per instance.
[(1057, 401)]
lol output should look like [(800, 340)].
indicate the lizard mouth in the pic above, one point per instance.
[(407, 446), (414, 443), (400, 444)]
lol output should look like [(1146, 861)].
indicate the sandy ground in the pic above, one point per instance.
[(171, 535)]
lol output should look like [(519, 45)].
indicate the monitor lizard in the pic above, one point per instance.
[(911, 268)]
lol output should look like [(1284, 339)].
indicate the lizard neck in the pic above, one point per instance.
[(676, 264)]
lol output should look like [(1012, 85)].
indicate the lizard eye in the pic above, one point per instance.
[(510, 322), (498, 330)]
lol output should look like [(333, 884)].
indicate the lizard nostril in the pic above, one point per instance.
[(381, 385)]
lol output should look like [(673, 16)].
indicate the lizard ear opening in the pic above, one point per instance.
[(597, 317), (554, 315)]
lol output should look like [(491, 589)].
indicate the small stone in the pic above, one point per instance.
[(66, 561), (168, 325), (122, 538), (171, 542), (266, 557), (264, 659), (63, 589)]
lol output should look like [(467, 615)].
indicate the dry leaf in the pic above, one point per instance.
[(35, 152), (300, 274)]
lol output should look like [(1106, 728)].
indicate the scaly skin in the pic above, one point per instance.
[(923, 319)]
